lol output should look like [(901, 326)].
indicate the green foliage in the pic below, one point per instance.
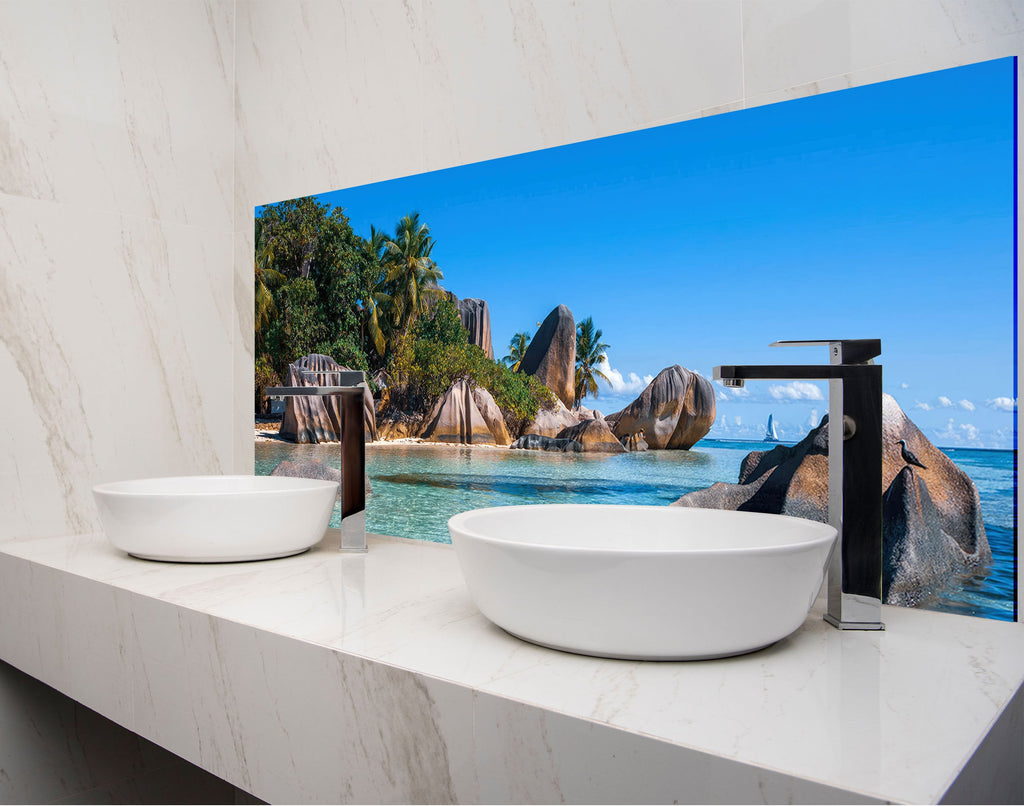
[(442, 324), (304, 235), (516, 350), (425, 363), (301, 325), (313, 276), (346, 352), (519, 396), (263, 376), (590, 351)]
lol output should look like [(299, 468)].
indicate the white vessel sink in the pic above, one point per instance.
[(642, 582), (210, 519)]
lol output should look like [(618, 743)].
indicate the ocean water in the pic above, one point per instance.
[(416, 489)]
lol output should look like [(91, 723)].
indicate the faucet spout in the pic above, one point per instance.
[(348, 386), (854, 470)]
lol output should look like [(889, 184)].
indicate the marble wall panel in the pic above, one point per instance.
[(116, 336), (804, 47), (120, 106), (116, 266)]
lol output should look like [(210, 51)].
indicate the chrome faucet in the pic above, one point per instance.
[(854, 470), (349, 386)]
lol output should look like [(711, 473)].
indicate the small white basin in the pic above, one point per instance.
[(211, 519), (642, 582)]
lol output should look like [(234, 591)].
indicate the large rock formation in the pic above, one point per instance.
[(551, 356), (467, 415), (675, 410), (399, 425), (549, 422), (476, 318), (594, 436), (931, 516), (492, 415), (313, 419)]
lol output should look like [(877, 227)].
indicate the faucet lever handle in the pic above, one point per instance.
[(842, 351)]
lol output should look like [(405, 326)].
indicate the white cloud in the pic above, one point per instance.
[(813, 421), (618, 384), (1001, 403), (721, 395), (904, 385), (923, 406), (966, 405), (953, 434), (796, 390), (945, 402)]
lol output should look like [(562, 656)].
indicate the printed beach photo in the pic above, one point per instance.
[(543, 328)]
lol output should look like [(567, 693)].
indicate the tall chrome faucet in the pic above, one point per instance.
[(854, 470), (349, 386)]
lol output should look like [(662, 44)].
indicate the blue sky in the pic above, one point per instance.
[(882, 211)]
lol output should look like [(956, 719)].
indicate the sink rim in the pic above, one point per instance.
[(261, 485), (818, 532)]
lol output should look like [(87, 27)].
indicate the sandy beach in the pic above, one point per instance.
[(270, 432)]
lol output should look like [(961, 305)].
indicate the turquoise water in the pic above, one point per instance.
[(416, 489)]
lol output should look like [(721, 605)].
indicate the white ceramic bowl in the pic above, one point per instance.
[(645, 582), (209, 519)]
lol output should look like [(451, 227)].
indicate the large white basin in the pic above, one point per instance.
[(210, 519), (642, 582)]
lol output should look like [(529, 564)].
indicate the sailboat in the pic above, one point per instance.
[(769, 433)]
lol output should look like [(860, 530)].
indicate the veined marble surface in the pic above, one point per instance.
[(329, 677)]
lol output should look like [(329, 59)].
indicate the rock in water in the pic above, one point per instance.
[(634, 442), (675, 410), (918, 555), (315, 419), (537, 442), (456, 418), (313, 469), (549, 422), (940, 504), (594, 436), (551, 356), (476, 318), (956, 499)]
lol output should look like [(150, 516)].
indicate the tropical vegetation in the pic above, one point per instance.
[(590, 352), (516, 351), (374, 304)]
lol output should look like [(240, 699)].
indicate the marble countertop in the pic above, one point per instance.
[(822, 715)]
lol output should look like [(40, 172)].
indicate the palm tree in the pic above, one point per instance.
[(516, 351), (377, 304), (267, 279), (411, 273), (590, 352)]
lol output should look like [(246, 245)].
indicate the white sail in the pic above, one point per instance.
[(770, 434)]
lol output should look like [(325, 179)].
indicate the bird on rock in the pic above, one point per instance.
[(908, 455)]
